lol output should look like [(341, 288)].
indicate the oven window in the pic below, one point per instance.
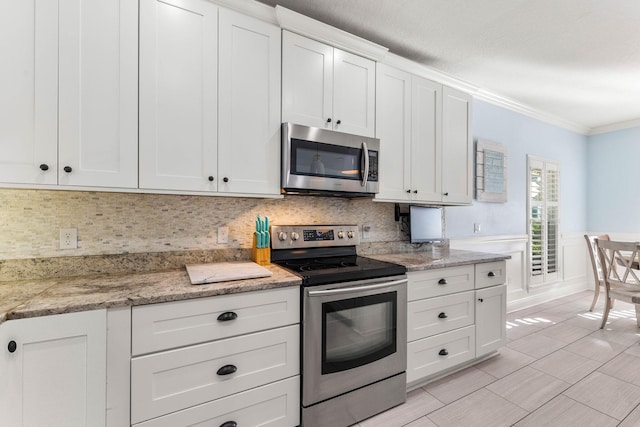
[(358, 331)]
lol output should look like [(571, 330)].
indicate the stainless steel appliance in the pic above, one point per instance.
[(328, 162), (354, 324)]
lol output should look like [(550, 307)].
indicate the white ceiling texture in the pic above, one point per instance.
[(572, 62)]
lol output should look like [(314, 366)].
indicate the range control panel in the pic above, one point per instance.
[(313, 236)]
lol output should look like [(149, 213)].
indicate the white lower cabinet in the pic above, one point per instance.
[(431, 355), (273, 405), (491, 319), (53, 370), (219, 359), (455, 315)]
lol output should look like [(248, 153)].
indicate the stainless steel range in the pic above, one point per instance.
[(354, 324)]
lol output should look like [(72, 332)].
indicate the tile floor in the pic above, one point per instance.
[(558, 369)]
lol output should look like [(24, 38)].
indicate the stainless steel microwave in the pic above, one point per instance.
[(319, 161)]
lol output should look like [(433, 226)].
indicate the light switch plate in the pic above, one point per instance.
[(223, 234)]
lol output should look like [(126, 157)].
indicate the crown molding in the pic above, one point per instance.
[(308, 27), (615, 126), (251, 8)]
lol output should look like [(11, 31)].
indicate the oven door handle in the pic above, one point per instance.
[(365, 173), (356, 288)]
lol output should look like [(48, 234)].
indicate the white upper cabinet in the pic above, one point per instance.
[(419, 161), (249, 105), (457, 146), (178, 95), (209, 99), (327, 88), (69, 88)]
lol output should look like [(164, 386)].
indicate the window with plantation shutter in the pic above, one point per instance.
[(543, 203)]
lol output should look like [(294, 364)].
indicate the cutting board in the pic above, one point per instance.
[(200, 274)]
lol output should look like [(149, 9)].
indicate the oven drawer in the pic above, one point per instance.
[(176, 379), (431, 316), (441, 281), (490, 274), (180, 323), (428, 356), (272, 405)]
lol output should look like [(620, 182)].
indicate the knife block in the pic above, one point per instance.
[(260, 256)]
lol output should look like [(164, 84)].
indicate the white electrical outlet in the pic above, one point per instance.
[(366, 232), (68, 238), (223, 234), (476, 227)]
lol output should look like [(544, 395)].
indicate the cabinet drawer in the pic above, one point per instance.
[(181, 323), (490, 274), (429, 356), (177, 379), (442, 281), (433, 316), (272, 405)]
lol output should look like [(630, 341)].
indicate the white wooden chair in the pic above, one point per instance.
[(622, 281), (595, 264)]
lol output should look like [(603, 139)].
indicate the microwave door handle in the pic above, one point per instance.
[(365, 174), (325, 292)]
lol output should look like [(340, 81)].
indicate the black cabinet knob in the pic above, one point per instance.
[(329, 120), (12, 346), (211, 178), (442, 315), (229, 424), (67, 169), (339, 121), (44, 167), (446, 194), (442, 282), (491, 274), (481, 299), (227, 370), (225, 179), (415, 191), (408, 191), (443, 352), (226, 316)]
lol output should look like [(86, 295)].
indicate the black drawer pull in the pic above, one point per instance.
[(226, 316), (44, 167), (491, 274), (229, 424), (442, 315), (12, 346), (442, 282), (227, 370), (67, 169), (481, 299), (443, 352)]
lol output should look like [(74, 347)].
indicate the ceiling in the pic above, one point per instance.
[(577, 61)]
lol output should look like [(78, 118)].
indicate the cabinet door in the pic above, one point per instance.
[(354, 94), (426, 143), (57, 374), (178, 94), (249, 105), (29, 88), (457, 147), (98, 110), (307, 81), (393, 128), (491, 318)]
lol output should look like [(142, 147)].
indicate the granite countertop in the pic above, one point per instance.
[(416, 261), (42, 297)]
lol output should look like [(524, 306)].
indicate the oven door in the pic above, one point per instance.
[(354, 334)]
